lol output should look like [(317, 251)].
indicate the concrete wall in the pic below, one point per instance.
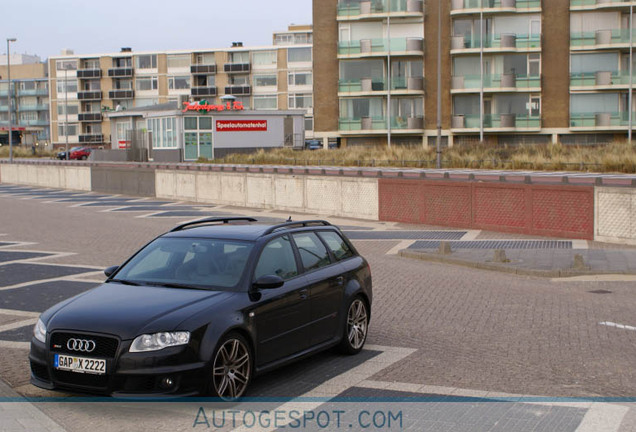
[(53, 176), (334, 196), (127, 180), (615, 214)]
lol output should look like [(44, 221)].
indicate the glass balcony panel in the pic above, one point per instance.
[(496, 81), (519, 41), (600, 37), (601, 119), (602, 78), (351, 9), (498, 121), (371, 46)]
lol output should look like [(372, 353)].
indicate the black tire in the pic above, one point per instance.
[(231, 367), (356, 326), (84, 158)]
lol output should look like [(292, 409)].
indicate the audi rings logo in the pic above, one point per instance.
[(82, 345)]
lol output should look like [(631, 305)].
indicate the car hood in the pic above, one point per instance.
[(128, 311)]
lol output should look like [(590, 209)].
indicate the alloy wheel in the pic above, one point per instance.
[(357, 324), (232, 369)]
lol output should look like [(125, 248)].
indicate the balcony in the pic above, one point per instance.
[(599, 4), (379, 124), (90, 73), (89, 95), (500, 42), (203, 69), (601, 121), (600, 80), (39, 122), (203, 91), (370, 85), (493, 6), (90, 117), (496, 123), (38, 107), (32, 92), (495, 82), (236, 67), (121, 94), (600, 39), (380, 47), (379, 9), (91, 138), (120, 72), (238, 90)]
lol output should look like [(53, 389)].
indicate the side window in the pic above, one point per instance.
[(312, 252), (337, 244), (278, 259)]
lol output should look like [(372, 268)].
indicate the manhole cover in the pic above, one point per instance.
[(600, 292)]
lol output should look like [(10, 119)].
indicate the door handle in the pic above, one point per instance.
[(303, 294)]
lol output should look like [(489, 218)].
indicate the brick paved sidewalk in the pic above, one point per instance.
[(18, 415)]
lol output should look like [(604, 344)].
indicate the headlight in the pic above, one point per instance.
[(39, 331), (158, 341)]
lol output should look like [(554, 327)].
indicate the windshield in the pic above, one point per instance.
[(188, 263)]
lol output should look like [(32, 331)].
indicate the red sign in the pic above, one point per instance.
[(241, 125), (123, 144), (197, 106), (13, 128)]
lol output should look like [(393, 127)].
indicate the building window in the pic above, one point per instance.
[(300, 101), (143, 102), (239, 57), (66, 65), (303, 78), (309, 123), (146, 83), (239, 80), (283, 39), (265, 102), (299, 55), (146, 61), (264, 58), (178, 61), (164, 132), (204, 59), (91, 64), (265, 80), (73, 109), (71, 128), (69, 86), (178, 82)]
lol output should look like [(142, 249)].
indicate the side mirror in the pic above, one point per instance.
[(269, 282), (110, 270)]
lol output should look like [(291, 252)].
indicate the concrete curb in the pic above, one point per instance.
[(22, 415), (505, 268)]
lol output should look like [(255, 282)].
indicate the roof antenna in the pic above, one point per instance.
[(289, 220)]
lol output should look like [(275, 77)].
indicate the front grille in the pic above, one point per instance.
[(40, 371), (104, 346), (80, 379)]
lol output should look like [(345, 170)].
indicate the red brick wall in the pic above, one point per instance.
[(559, 211)]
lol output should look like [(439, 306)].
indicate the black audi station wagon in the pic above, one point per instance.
[(206, 307)]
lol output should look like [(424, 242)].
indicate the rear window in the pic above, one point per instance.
[(336, 244)]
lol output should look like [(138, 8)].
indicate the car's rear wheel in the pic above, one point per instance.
[(231, 367), (356, 327)]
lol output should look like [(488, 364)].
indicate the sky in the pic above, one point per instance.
[(46, 27)]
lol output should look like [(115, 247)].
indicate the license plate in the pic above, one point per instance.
[(79, 364)]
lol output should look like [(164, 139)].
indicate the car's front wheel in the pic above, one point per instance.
[(356, 327), (231, 367)]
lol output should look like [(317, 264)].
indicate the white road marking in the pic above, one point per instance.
[(70, 278), (404, 244), (603, 417), (16, 312), (18, 324), (580, 244), (471, 235), (35, 260), (618, 326)]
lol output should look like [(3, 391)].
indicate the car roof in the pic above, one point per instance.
[(235, 231)]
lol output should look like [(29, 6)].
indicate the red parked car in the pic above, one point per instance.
[(81, 153)]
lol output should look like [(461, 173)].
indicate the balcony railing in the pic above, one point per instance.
[(457, 5), (90, 73), (495, 81), (601, 3), (381, 46), (121, 94), (609, 37), (498, 41), (379, 123), (236, 67), (496, 121), (120, 72), (238, 90), (38, 107), (600, 79), (38, 122), (379, 7), (203, 69), (380, 84), (91, 138), (601, 120), (89, 95), (89, 117), (203, 91), (32, 92)]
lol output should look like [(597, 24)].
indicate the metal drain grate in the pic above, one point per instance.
[(405, 235), (497, 244)]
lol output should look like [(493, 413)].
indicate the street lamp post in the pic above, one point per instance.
[(9, 98), (438, 162), (66, 109), (631, 72)]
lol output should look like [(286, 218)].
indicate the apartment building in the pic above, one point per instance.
[(512, 71), (83, 87), (29, 92)]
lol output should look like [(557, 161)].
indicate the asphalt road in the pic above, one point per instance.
[(436, 331)]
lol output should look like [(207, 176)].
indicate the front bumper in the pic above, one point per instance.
[(170, 372)]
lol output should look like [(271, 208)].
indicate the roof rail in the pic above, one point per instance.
[(226, 220), (296, 224)]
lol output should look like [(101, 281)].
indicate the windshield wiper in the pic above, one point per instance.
[(124, 282), (177, 285)]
